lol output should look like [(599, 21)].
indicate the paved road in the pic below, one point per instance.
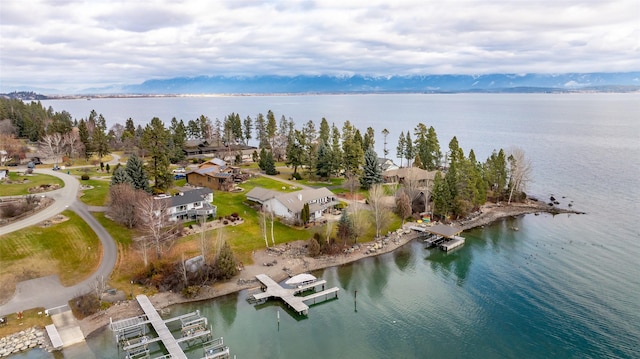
[(47, 291), (63, 197)]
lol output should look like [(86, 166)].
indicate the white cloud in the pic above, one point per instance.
[(77, 44)]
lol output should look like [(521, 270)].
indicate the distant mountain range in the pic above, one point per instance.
[(304, 84)]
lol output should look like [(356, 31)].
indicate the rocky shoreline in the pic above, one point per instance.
[(24, 340), (289, 259)]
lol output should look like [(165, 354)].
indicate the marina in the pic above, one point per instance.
[(271, 289), (131, 334)]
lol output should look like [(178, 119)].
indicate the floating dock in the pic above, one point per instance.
[(271, 289), (452, 244)]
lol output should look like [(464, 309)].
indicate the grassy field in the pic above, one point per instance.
[(69, 249), (96, 196), (26, 182), (30, 318)]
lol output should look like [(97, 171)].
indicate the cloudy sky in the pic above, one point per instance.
[(71, 45)]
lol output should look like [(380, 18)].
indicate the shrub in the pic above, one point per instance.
[(190, 291), (84, 177), (313, 249), (85, 305), (296, 176)]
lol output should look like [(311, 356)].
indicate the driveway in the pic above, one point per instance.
[(47, 291)]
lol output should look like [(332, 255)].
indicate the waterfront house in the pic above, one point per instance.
[(289, 205)]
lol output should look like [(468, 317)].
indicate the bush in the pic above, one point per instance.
[(313, 248), (190, 291), (84, 177), (296, 176), (85, 305)]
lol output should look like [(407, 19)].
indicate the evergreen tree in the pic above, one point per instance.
[(409, 152), (270, 165), (434, 155), (371, 171), (85, 138), (401, 146), (120, 176), (178, 138), (248, 129), (324, 164), (135, 171), (271, 127), (99, 137), (346, 230), (325, 131), (336, 151), (385, 151), (226, 266), (261, 131), (296, 154), (305, 214), (155, 140), (368, 140)]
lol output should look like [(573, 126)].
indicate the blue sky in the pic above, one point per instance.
[(71, 45)]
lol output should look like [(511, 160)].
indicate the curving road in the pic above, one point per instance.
[(47, 291)]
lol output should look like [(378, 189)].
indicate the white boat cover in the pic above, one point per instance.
[(300, 278)]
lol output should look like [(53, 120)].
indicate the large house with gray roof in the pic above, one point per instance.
[(190, 204), (289, 205)]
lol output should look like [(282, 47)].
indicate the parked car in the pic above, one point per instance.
[(56, 168)]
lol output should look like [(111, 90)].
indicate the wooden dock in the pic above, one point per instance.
[(161, 328), (271, 289)]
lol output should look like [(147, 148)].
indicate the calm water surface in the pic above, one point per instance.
[(563, 286)]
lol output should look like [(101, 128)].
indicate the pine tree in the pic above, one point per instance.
[(400, 148), (323, 165), (155, 140), (371, 171), (85, 138), (120, 175), (100, 141), (135, 170), (345, 227), (226, 266)]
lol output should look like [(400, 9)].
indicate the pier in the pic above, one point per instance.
[(271, 289), (444, 237), (131, 334)]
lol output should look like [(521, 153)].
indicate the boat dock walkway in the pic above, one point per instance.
[(451, 244), (271, 289), (132, 333), (161, 328)]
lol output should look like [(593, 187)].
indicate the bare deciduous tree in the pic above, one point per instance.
[(155, 222), (72, 143), (379, 209), (52, 146), (123, 204), (403, 205), (519, 171)]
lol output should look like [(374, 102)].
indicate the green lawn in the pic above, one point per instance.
[(70, 249), (120, 234), (96, 196), (22, 188)]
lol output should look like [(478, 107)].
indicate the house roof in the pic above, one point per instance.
[(259, 194), (444, 230), (411, 174), (187, 197), (294, 201)]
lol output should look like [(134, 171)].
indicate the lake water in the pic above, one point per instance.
[(560, 286)]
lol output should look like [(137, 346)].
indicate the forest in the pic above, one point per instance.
[(461, 184)]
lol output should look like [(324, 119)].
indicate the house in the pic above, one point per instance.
[(289, 205), (418, 176), (190, 204), (387, 164), (217, 148), (216, 175)]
